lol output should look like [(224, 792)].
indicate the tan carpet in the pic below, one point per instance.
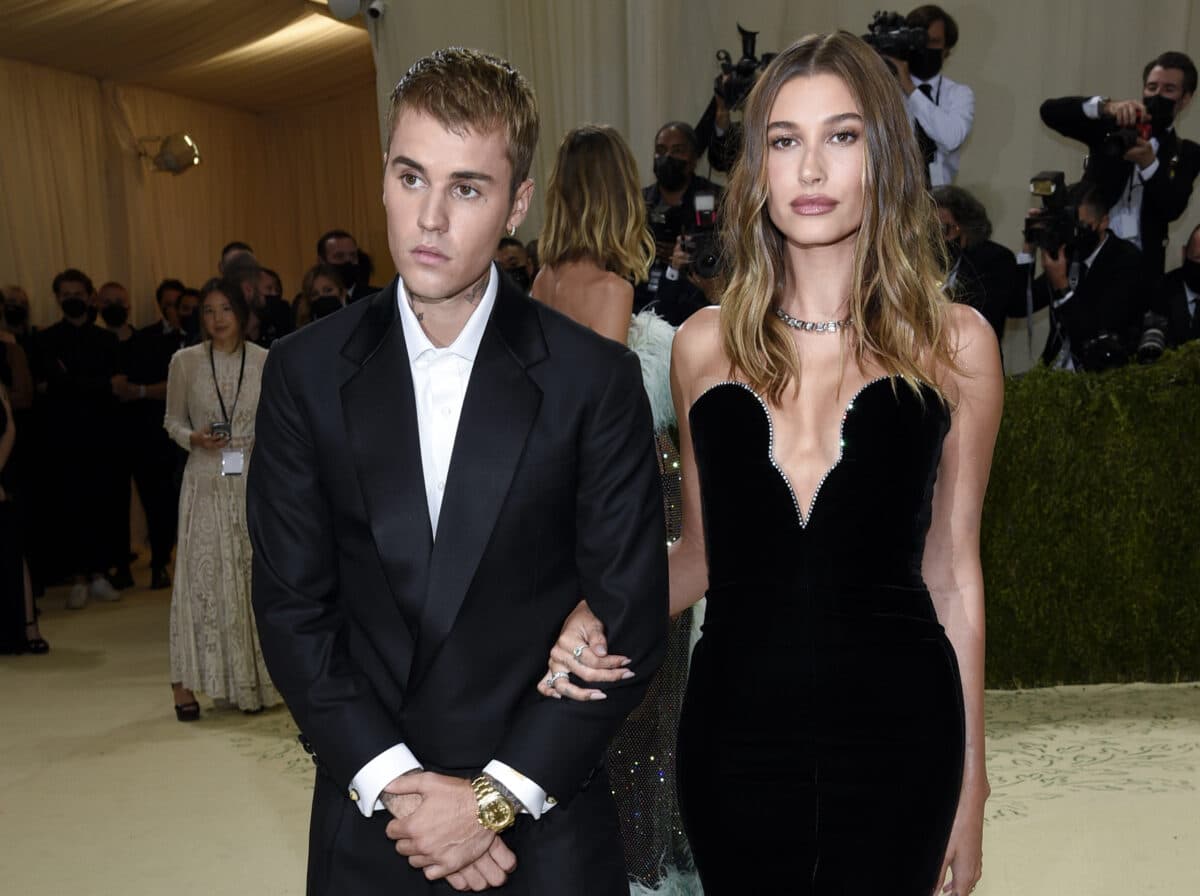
[(103, 792)]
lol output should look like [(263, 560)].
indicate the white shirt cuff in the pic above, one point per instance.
[(1024, 258), (1058, 303), (1148, 172), (671, 273), (532, 798), (377, 774), (1091, 108)]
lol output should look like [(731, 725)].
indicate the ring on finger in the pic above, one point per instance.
[(578, 651), (555, 677)]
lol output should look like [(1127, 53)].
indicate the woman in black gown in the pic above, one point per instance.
[(837, 417)]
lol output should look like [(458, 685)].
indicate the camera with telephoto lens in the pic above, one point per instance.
[(891, 36), (1055, 223), (1154, 338), (741, 74), (1160, 113)]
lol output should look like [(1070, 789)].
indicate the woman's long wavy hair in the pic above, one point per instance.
[(897, 305), (594, 205)]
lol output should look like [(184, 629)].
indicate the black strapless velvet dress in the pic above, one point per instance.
[(821, 739)]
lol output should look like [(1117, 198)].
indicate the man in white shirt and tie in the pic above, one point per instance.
[(940, 109)]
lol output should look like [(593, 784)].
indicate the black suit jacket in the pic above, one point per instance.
[(1108, 299), (1166, 193), (988, 280), (1170, 300), (376, 634)]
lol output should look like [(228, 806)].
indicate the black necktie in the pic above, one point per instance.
[(924, 141)]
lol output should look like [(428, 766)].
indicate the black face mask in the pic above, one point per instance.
[(670, 172), (114, 315), (1191, 274), (324, 306), (74, 307), (1161, 111), (1085, 242), (16, 315), (519, 276), (349, 273), (926, 64)]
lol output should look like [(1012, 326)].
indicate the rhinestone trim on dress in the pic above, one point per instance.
[(771, 441)]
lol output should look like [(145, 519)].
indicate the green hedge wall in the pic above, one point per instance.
[(1091, 527)]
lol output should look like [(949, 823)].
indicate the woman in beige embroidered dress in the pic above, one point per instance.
[(212, 397)]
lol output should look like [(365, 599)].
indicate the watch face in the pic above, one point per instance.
[(496, 812)]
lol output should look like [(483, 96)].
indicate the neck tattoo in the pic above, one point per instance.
[(471, 295)]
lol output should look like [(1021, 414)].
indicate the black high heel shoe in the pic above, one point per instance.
[(35, 645), (188, 712)]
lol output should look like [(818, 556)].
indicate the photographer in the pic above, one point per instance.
[(1174, 309), (940, 109), (1090, 284), (983, 274), (673, 200), (1143, 169)]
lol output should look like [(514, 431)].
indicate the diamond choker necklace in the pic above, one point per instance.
[(824, 326)]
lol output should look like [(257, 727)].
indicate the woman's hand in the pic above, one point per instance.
[(964, 852), (581, 650), (207, 440)]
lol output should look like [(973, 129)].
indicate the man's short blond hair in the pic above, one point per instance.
[(468, 90)]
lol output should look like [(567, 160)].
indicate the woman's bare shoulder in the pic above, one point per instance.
[(698, 354), (975, 351)]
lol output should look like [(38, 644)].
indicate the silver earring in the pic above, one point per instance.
[(512, 231)]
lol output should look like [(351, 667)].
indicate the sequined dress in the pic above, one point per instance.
[(821, 742), (641, 758)]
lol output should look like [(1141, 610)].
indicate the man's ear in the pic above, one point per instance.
[(1184, 102), (520, 205)]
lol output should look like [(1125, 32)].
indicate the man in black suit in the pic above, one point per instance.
[(1147, 185), (982, 274), (339, 249), (155, 457), (441, 471), (1176, 298), (1091, 286)]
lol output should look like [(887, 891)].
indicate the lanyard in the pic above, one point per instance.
[(228, 415)]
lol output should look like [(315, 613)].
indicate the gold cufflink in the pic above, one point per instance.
[(354, 794)]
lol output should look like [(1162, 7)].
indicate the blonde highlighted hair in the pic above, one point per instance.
[(594, 205), (468, 90), (897, 305)]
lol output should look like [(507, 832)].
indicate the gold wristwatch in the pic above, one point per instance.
[(496, 813)]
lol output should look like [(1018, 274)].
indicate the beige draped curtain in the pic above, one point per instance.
[(76, 194)]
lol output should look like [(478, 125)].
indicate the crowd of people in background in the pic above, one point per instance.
[(83, 400)]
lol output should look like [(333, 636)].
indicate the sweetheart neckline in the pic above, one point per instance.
[(849, 406)]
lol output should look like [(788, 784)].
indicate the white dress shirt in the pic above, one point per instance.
[(946, 117), (1125, 218), (440, 377)]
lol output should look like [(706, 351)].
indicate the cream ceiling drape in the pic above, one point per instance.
[(637, 63), (76, 194), (257, 55)]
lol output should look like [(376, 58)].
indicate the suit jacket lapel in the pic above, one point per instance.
[(379, 412), (498, 412)]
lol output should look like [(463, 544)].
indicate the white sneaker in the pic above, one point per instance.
[(102, 589), (78, 597)]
